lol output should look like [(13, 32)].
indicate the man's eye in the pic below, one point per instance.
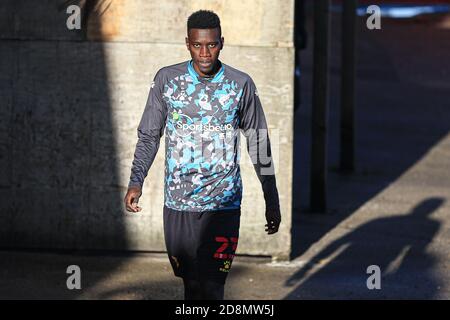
[(196, 46), (212, 45)]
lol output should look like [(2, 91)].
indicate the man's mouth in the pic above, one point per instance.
[(205, 63)]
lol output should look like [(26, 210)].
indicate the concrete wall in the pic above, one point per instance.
[(71, 102)]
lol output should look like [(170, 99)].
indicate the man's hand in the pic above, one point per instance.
[(132, 198), (273, 218)]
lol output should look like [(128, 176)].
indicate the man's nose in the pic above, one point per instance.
[(204, 51)]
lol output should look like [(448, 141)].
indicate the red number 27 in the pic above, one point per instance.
[(225, 243)]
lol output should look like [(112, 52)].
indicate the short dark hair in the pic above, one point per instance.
[(203, 19)]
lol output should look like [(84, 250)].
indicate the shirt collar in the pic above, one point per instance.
[(197, 78)]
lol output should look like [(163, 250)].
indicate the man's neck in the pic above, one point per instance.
[(216, 68)]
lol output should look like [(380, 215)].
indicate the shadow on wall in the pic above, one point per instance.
[(401, 87), (59, 182), (406, 267)]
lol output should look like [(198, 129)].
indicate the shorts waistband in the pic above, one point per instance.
[(222, 210)]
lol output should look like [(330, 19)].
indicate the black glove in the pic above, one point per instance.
[(273, 218)]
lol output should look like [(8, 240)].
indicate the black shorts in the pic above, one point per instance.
[(201, 245)]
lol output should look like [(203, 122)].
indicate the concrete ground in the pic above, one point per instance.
[(393, 212)]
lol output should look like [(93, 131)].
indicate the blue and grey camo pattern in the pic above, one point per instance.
[(202, 171), (202, 119)]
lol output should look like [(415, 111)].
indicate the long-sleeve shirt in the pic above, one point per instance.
[(202, 119)]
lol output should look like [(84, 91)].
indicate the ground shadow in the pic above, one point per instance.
[(398, 99), (60, 185), (396, 244)]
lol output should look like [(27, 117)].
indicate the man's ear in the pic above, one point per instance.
[(187, 42), (222, 40)]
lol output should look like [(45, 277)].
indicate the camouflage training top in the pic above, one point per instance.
[(201, 118)]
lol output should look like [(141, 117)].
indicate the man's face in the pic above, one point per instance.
[(204, 46)]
